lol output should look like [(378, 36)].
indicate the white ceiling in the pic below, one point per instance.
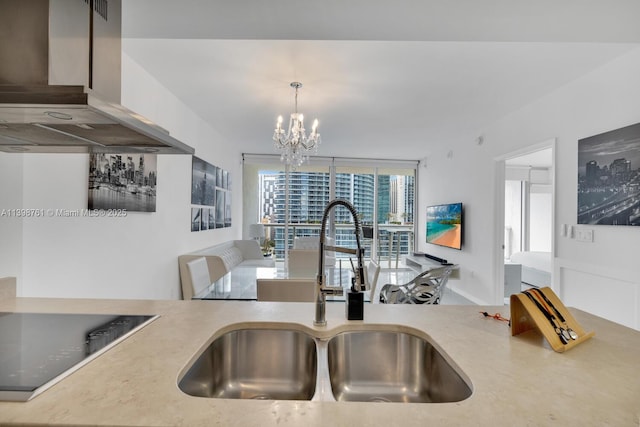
[(386, 79)]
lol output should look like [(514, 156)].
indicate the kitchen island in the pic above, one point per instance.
[(515, 380)]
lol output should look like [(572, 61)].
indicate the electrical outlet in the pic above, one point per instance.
[(584, 235), (588, 235)]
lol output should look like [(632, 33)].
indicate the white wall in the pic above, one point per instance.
[(605, 99), (131, 257), (10, 225), (461, 172)]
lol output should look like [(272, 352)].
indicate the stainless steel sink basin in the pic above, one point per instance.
[(255, 364), (376, 365), (388, 366)]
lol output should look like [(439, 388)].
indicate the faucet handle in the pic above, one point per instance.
[(332, 290)]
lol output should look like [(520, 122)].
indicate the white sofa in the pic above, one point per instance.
[(221, 259)]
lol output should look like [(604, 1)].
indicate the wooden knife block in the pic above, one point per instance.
[(525, 315)]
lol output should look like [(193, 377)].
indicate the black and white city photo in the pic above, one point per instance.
[(609, 177), (220, 208), (210, 212), (196, 219), (210, 193), (123, 181), (203, 182)]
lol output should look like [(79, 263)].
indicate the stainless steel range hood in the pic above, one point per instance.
[(60, 82), (93, 125)]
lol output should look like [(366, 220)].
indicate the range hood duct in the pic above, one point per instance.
[(60, 82)]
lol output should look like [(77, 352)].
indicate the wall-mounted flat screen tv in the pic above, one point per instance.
[(444, 225)]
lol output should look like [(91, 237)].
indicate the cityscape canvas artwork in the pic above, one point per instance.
[(123, 181), (210, 187), (609, 177)]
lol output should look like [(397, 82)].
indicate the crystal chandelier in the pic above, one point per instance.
[(294, 143)]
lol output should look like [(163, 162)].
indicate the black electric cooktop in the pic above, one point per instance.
[(37, 349)]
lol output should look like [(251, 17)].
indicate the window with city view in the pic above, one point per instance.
[(383, 198)]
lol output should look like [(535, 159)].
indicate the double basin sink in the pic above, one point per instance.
[(379, 364)]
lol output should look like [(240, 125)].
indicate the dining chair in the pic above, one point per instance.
[(426, 288), (302, 263), (313, 243), (373, 271), (200, 278), (286, 290)]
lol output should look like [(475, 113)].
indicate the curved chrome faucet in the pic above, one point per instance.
[(322, 290)]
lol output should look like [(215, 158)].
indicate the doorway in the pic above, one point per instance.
[(527, 192)]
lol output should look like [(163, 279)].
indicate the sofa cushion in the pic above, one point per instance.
[(266, 262), (231, 257), (250, 249), (215, 250)]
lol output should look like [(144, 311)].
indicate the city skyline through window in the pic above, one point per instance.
[(388, 205)]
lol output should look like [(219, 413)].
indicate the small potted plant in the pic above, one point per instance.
[(268, 247)]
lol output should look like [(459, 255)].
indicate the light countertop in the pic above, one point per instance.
[(516, 380)]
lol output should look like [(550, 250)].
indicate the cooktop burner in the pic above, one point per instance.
[(38, 349)]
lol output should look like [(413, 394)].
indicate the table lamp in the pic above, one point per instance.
[(256, 231)]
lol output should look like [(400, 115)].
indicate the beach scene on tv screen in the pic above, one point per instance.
[(444, 225)]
